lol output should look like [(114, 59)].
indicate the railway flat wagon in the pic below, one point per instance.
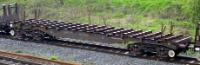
[(163, 45), (141, 42)]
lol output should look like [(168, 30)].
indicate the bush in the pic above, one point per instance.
[(18, 51), (53, 57)]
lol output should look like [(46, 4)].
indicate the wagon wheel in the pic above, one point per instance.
[(26, 35), (164, 52), (17, 35), (7, 30), (171, 53), (135, 50), (161, 52), (37, 38), (37, 35), (48, 37)]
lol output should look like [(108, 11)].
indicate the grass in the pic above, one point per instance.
[(192, 53), (53, 57), (116, 7), (18, 51), (137, 14)]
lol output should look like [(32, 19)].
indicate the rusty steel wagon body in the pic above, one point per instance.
[(142, 42), (165, 45)]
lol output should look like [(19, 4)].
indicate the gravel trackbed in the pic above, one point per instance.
[(84, 57)]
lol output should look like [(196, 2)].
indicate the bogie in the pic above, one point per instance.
[(135, 50), (145, 48)]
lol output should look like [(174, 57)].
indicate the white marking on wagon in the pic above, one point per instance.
[(12, 32), (126, 53)]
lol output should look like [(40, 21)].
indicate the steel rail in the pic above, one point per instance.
[(9, 61)]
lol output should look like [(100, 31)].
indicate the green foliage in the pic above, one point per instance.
[(124, 6), (192, 52), (18, 51), (118, 15), (137, 14), (53, 57), (196, 8)]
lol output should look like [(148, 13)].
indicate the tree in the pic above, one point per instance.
[(196, 11)]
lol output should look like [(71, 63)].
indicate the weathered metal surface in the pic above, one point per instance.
[(101, 34), (38, 29)]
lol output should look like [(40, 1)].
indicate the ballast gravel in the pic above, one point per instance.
[(84, 57)]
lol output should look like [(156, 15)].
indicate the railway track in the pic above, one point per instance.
[(11, 58), (12, 61), (124, 52), (114, 50), (119, 51)]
